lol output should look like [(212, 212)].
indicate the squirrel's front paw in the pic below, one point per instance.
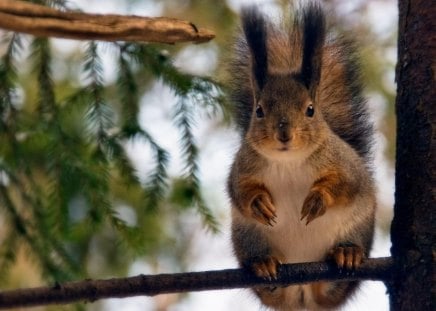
[(313, 207), (262, 209)]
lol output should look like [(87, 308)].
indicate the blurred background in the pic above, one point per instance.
[(113, 156)]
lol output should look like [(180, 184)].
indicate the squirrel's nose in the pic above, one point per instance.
[(283, 131), (283, 136), (284, 139), (283, 124)]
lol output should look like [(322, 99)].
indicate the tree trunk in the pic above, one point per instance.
[(412, 227)]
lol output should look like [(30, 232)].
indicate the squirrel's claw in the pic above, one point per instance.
[(263, 210), (266, 268), (347, 256), (313, 207)]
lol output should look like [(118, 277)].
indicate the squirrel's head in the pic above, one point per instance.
[(286, 120)]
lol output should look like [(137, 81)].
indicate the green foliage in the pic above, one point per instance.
[(64, 170), (66, 180)]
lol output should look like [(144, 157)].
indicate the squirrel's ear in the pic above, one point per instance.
[(313, 26), (254, 26)]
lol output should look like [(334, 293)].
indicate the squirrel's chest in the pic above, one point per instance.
[(289, 186), (290, 237)]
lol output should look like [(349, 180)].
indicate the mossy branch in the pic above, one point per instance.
[(43, 21), (151, 285)]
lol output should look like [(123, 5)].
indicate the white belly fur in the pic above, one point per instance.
[(291, 239)]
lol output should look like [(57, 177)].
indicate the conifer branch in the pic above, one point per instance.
[(43, 21), (151, 285)]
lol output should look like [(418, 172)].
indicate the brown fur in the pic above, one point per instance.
[(299, 176)]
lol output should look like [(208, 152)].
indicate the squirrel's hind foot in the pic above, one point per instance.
[(347, 255), (266, 267)]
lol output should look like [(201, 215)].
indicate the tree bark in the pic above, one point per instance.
[(413, 229), (150, 285), (43, 21)]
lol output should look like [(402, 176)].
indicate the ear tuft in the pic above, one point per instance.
[(255, 30), (314, 28)]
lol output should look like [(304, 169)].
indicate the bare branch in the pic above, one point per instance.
[(43, 21), (150, 285)]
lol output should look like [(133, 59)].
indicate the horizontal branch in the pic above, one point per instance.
[(43, 21), (150, 285)]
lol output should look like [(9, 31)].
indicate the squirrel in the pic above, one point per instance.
[(301, 185)]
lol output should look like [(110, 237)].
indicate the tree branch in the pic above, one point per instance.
[(43, 21), (150, 285)]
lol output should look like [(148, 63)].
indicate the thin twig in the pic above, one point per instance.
[(150, 285), (43, 21)]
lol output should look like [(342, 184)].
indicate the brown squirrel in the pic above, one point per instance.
[(301, 185)]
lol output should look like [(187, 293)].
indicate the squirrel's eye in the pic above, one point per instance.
[(259, 112), (310, 111)]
